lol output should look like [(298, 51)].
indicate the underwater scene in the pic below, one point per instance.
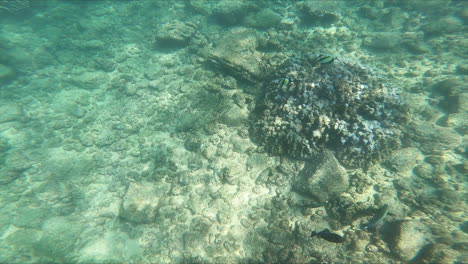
[(233, 131)]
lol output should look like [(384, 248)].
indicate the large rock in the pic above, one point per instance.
[(175, 33), (440, 254), (322, 177), (6, 74), (60, 234), (405, 159), (410, 237), (236, 54), (383, 40), (10, 112), (430, 137), (443, 26), (141, 203)]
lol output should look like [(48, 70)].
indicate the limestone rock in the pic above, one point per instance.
[(405, 159), (235, 116), (319, 13), (59, 237), (236, 53), (443, 26), (175, 33), (383, 40), (10, 112), (410, 238), (264, 19), (428, 137), (322, 177), (6, 74), (438, 253), (229, 12), (89, 80), (141, 203)]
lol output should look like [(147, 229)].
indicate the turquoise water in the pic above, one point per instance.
[(233, 131)]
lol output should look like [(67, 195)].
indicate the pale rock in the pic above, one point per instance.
[(409, 238), (405, 159), (322, 177)]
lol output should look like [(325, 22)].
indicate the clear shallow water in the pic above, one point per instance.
[(126, 134)]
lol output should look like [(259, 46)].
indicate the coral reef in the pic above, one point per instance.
[(317, 102)]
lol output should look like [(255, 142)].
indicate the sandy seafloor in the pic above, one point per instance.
[(125, 133)]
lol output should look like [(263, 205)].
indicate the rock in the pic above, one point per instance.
[(111, 247), (10, 112), (175, 34), (236, 54), (235, 116), (457, 121), (405, 159), (141, 202), (424, 171), (6, 74), (319, 13), (462, 69), (453, 93), (429, 137), (90, 80), (264, 19), (414, 42), (438, 253), (322, 177), (369, 12), (229, 12), (59, 237), (383, 40), (410, 237), (443, 26), (463, 102)]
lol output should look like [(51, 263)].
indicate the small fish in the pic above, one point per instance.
[(325, 59), (378, 218), (308, 204), (284, 83), (329, 236)]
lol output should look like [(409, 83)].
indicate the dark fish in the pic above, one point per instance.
[(329, 236), (325, 59), (378, 218)]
